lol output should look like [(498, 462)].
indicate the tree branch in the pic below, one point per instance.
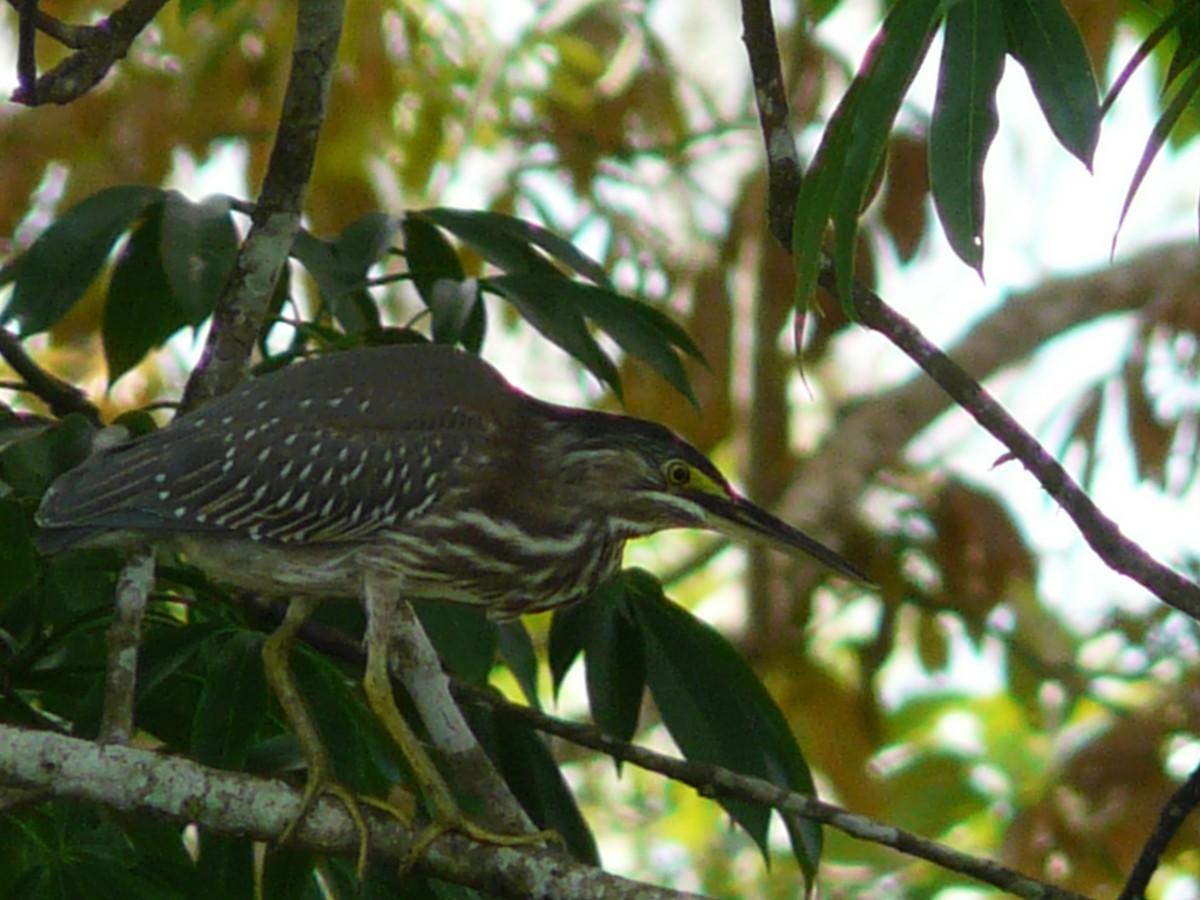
[(61, 396), (1181, 805), (87, 66), (178, 790), (242, 309), (714, 781), (1101, 533)]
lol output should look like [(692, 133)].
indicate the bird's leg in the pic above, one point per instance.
[(320, 769), (390, 619)]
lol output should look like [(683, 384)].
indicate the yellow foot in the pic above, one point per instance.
[(314, 788), (452, 822)]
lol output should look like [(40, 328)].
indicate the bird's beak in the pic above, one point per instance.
[(743, 520)]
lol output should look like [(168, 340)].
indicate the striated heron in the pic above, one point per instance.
[(417, 468)]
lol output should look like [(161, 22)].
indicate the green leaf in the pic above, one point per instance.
[(233, 701), (641, 330), (568, 631), (893, 60), (616, 663), (1158, 137), (1044, 40), (532, 773), (198, 250), (59, 266), (453, 300), (965, 122), (29, 464), (19, 564), (516, 648), (538, 301), (340, 268), (496, 244), (464, 639), (140, 312), (494, 228), (853, 145), (718, 712)]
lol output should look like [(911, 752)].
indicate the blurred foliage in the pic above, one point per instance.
[(464, 162)]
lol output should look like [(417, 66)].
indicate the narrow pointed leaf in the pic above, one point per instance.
[(516, 648), (718, 712), (616, 664), (66, 258), (965, 122), (560, 321), (568, 631), (232, 703), (469, 222), (532, 772), (893, 60), (495, 244), (1158, 137), (1043, 38)]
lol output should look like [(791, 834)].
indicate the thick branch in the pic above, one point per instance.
[(242, 308), (175, 789)]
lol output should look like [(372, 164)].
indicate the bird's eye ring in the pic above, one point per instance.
[(677, 472)]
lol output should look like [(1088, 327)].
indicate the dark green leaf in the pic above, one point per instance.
[(199, 246), (965, 122), (19, 563), (892, 62), (853, 145), (640, 329), (568, 631), (559, 321), (453, 299), (225, 868), (30, 464), (1044, 40), (498, 225), (717, 711), (516, 647), (531, 771), (616, 663), (233, 700), (465, 640), (1158, 136), (140, 312), (340, 268), (495, 244), (56, 270)]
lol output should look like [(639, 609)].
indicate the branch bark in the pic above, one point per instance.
[(242, 309), (178, 790)]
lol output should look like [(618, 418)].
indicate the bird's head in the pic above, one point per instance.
[(644, 478)]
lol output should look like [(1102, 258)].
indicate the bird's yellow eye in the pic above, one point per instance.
[(677, 472)]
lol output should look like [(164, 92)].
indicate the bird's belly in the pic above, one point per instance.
[(275, 569)]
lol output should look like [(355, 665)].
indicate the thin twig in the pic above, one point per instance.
[(1181, 805), (61, 396), (709, 780), (124, 637), (75, 37), (713, 781), (242, 308), (1102, 534), (87, 66)]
